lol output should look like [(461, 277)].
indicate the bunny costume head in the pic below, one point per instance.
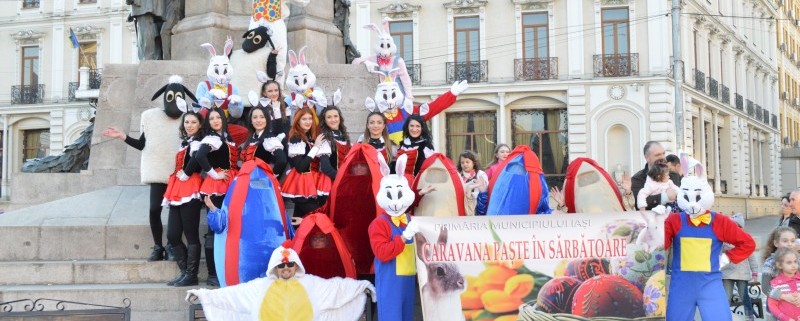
[(385, 46), (219, 69), (695, 196), (394, 195)]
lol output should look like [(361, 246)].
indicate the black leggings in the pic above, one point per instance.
[(157, 191), (184, 220)]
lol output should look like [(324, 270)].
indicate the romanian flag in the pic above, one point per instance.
[(74, 39)]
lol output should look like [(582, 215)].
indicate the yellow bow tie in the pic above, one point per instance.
[(391, 114), (308, 92), (221, 87), (702, 218), (400, 219)]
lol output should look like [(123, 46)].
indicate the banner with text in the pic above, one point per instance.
[(532, 267)]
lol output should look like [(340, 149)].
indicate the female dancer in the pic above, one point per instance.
[(333, 129), (305, 185), (261, 143), (183, 198), (279, 123), (377, 135), (416, 144)]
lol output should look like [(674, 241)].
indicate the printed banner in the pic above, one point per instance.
[(533, 267)]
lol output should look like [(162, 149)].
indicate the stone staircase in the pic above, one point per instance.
[(91, 253)]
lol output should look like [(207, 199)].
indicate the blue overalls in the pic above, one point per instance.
[(696, 280), (395, 281)]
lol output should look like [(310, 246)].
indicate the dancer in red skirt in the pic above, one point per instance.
[(217, 156), (305, 185), (416, 144), (183, 198), (335, 132), (262, 143)]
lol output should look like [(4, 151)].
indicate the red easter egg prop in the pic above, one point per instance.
[(607, 296), (556, 295), (585, 269)]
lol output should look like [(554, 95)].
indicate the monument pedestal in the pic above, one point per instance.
[(313, 27)]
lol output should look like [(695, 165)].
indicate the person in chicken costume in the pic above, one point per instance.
[(285, 294), (391, 236), (696, 234), (390, 100)]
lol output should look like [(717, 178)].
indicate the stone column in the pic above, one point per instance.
[(312, 26), (717, 149), (209, 21)]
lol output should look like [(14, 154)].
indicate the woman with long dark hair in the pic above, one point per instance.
[(305, 184), (262, 143), (416, 144), (376, 134), (332, 127), (183, 198), (272, 99), (501, 151)]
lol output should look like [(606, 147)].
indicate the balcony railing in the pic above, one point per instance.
[(27, 94), (471, 71), (27, 4), (725, 95), (73, 86), (759, 114), (415, 73), (616, 65), (751, 110), (699, 80), (739, 102), (713, 88), (536, 68)]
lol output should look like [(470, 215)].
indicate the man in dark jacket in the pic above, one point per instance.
[(653, 151)]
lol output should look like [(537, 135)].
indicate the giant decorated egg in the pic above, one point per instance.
[(556, 295), (654, 297), (607, 296), (585, 269), (639, 265)]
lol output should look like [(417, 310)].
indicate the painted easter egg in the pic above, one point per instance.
[(585, 269), (654, 297), (556, 295), (607, 296)]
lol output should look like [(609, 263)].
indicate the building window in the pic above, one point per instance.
[(616, 38), (534, 35), (467, 39), (87, 1), (30, 66), (28, 4), (475, 131), (403, 34), (35, 143), (87, 55), (545, 131)]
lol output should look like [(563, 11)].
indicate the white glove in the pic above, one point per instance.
[(319, 99), (325, 149), (371, 65), (234, 99), (213, 174), (724, 260), (272, 144), (252, 97), (661, 209), (218, 93), (298, 101), (459, 87), (411, 229), (371, 292), (182, 176)]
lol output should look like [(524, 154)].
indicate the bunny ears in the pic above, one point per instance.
[(213, 52), (388, 76), (691, 166), (399, 167), (384, 26), (299, 58)]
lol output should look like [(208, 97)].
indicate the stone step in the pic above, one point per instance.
[(148, 301), (90, 272)]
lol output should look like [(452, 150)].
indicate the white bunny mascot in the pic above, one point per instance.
[(697, 234), (300, 81), (390, 100), (385, 57), (272, 14), (391, 236)]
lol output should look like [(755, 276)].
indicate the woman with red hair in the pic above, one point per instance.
[(305, 185)]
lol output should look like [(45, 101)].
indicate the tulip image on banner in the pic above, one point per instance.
[(537, 267)]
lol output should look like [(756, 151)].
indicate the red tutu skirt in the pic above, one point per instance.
[(180, 192), (324, 184), (215, 187), (303, 185)]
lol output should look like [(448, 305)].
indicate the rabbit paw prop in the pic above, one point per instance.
[(386, 59), (300, 81), (441, 294), (392, 102), (390, 236), (697, 234)]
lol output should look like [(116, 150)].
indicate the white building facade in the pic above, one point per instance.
[(592, 78), (41, 110)]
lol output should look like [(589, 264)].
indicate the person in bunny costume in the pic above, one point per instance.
[(386, 59), (697, 234), (300, 82), (286, 293), (219, 90), (391, 236), (271, 14), (397, 107)]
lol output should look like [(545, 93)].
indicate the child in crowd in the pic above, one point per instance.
[(781, 237), (739, 274), (475, 183), (787, 281), (657, 182)]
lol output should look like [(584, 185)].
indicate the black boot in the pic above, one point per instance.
[(192, 265), (169, 255), (157, 254), (208, 246), (179, 252)]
